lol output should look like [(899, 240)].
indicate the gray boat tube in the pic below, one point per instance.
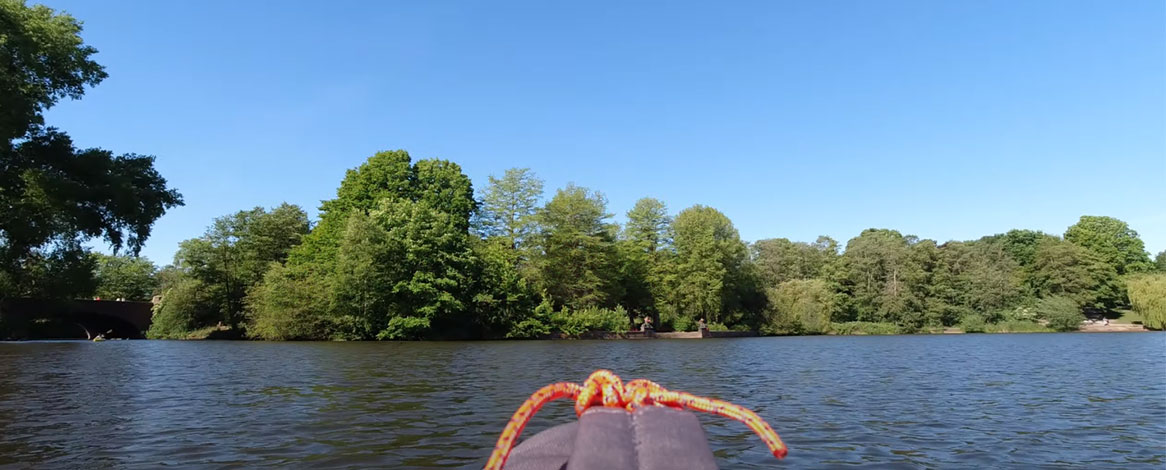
[(650, 438)]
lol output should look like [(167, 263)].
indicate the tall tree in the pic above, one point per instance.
[(643, 247), (125, 277), (1113, 240), (42, 60), (386, 174), (577, 245), (800, 306), (1160, 261), (509, 206), (648, 225), (1061, 268), (709, 267), (1148, 298), (235, 251), (390, 258), (55, 196), (978, 278), (779, 260), (881, 275), (1019, 244)]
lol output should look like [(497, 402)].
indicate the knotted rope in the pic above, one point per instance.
[(604, 388)]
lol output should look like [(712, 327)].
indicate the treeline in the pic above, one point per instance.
[(407, 250)]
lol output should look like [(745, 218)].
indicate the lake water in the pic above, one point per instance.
[(1002, 401)]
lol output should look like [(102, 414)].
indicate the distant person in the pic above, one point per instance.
[(700, 325), (646, 326)]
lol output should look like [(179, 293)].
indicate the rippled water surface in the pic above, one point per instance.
[(1016, 401)]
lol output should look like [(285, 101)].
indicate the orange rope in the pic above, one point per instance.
[(604, 388)]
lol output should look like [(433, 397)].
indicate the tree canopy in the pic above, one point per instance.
[(55, 195), (42, 60), (1113, 240)]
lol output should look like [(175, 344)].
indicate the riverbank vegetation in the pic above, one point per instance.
[(409, 250)]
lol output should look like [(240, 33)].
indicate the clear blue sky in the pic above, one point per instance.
[(947, 120)]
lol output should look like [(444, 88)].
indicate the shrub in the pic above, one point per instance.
[(1020, 314), (670, 321), (1148, 298), (529, 329), (590, 319), (864, 328), (1060, 313), (1017, 326), (714, 326), (973, 323), (405, 328)]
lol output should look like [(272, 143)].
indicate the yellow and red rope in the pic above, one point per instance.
[(604, 388)]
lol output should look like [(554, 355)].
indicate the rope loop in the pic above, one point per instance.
[(604, 388)]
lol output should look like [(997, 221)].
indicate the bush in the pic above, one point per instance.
[(973, 323), (590, 319), (714, 326), (670, 321), (1020, 314), (1017, 326), (529, 329), (405, 328), (1148, 298), (864, 328), (1060, 313)]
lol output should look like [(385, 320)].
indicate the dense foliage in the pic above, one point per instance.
[(54, 196), (1148, 299), (405, 251), (125, 277)]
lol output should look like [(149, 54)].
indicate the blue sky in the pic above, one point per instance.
[(947, 120)]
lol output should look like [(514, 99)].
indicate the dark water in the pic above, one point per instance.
[(1017, 401)]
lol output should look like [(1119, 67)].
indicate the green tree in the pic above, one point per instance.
[(643, 249), (1061, 313), (577, 265), (234, 253), (56, 197), (391, 258), (185, 306), (291, 304), (800, 306), (882, 277), (1067, 270), (1113, 240), (779, 260), (1160, 261), (1019, 244), (978, 278), (403, 272), (125, 277), (64, 271), (42, 60), (509, 206), (1148, 298), (384, 175), (503, 296), (709, 269)]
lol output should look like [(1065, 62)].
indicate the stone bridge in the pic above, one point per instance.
[(73, 319)]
